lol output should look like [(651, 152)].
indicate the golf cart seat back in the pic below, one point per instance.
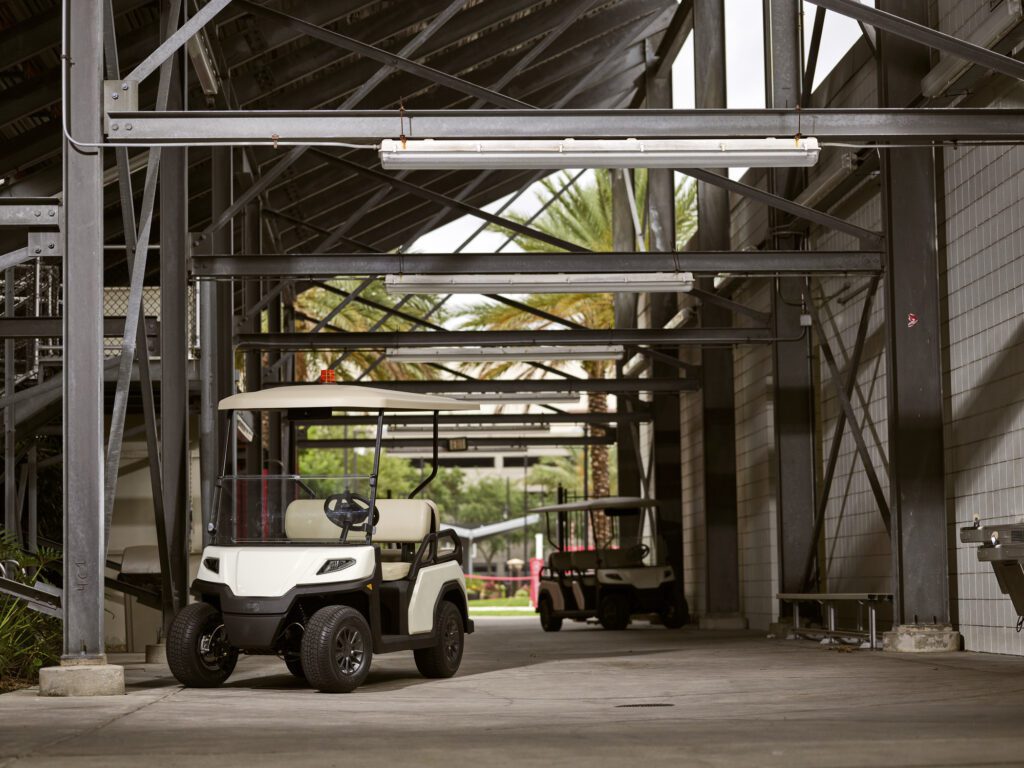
[(587, 559), (402, 521), (578, 560), (627, 557)]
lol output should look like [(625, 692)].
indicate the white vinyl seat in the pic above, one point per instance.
[(402, 521), (394, 571)]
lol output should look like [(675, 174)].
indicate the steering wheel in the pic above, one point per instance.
[(342, 510)]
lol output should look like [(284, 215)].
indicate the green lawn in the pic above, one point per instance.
[(500, 602)]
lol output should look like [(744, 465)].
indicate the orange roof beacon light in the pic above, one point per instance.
[(327, 376)]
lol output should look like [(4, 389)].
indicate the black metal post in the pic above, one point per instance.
[(251, 243), (792, 379), (667, 456), (719, 421), (211, 442), (174, 349), (913, 354), (624, 237)]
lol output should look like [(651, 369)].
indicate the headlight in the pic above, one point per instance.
[(335, 564), (212, 564)]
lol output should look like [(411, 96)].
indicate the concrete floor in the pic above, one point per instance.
[(524, 697)]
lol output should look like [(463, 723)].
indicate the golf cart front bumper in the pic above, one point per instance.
[(256, 623)]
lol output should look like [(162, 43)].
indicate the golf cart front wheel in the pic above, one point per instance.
[(613, 612), (337, 648), (547, 621), (198, 651), (443, 658)]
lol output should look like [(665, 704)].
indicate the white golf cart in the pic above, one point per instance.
[(581, 581), (323, 571)]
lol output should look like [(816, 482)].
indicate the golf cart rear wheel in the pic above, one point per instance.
[(337, 648), (613, 612), (198, 651), (443, 658), (294, 664), (548, 622), (674, 610)]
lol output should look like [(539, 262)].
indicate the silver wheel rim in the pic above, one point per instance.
[(349, 651), (451, 640), (211, 648)]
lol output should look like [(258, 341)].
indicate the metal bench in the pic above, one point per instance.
[(829, 600)]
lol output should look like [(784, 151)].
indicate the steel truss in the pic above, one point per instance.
[(283, 128), (253, 278)]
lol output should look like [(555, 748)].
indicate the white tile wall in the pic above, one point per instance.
[(755, 471), (984, 437)]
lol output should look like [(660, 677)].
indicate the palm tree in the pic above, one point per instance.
[(581, 215), (316, 303)]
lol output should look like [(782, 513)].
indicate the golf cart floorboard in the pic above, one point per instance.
[(574, 614), (389, 643)]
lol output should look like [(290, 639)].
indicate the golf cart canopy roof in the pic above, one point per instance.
[(602, 503), (340, 397)]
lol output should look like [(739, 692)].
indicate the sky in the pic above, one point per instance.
[(744, 89)]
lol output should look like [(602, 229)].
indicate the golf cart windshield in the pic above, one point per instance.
[(289, 509), (253, 506)]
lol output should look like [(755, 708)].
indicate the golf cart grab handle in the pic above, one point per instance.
[(428, 551)]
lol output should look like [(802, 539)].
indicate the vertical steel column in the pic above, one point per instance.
[(209, 384), (224, 242), (253, 358), (174, 449), (719, 428), (289, 434), (913, 359), (11, 522), (274, 455), (666, 423), (793, 395), (83, 340), (32, 537), (624, 239)]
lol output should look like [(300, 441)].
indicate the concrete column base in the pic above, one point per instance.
[(921, 638), (82, 677), (723, 621), (156, 654)]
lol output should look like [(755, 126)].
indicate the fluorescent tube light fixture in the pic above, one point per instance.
[(616, 282), (502, 354), (554, 154)]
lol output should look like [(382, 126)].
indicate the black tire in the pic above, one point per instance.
[(548, 622), (674, 610), (198, 651), (443, 659), (294, 664), (337, 649), (613, 612)]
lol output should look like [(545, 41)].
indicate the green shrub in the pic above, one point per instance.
[(28, 639), (522, 592), (492, 590)]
